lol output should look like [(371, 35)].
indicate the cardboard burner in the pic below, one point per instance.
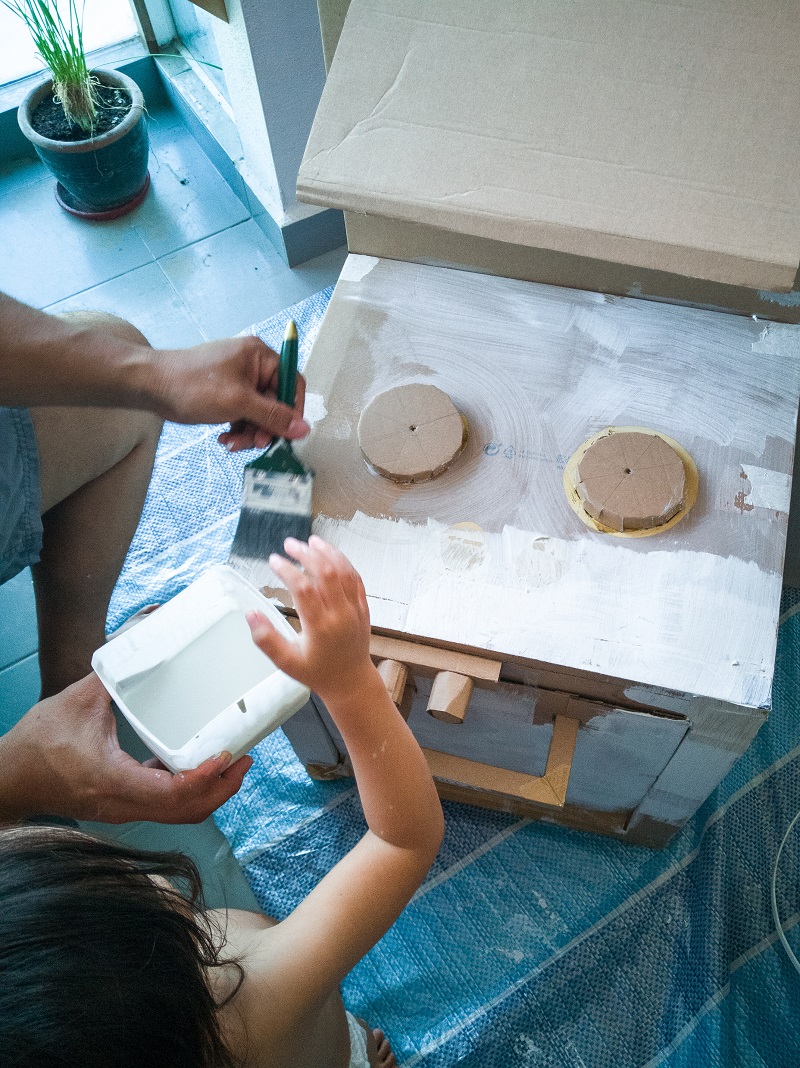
[(189, 679), (411, 433)]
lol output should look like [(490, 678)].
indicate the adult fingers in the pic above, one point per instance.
[(149, 793), (300, 396), (266, 414), (238, 436), (199, 792)]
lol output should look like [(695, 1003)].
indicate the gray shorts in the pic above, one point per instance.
[(20, 497)]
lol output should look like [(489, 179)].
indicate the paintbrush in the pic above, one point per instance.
[(276, 497)]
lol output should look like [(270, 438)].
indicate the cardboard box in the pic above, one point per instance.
[(632, 148)]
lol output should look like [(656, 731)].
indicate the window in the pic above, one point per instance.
[(105, 22)]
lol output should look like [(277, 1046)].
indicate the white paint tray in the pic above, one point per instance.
[(190, 680)]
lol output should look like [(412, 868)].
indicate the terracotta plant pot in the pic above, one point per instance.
[(100, 177)]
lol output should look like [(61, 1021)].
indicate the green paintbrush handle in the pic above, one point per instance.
[(287, 368)]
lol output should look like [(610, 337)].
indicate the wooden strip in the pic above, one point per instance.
[(540, 789), (431, 658), (477, 776), (559, 759)]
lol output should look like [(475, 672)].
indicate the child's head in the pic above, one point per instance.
[(100, 962)]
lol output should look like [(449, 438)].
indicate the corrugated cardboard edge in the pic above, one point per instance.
[(703, 264), (414, 242)]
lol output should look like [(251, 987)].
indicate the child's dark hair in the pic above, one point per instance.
[(100, 965)]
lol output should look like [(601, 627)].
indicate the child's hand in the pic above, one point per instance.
[(331, 655)]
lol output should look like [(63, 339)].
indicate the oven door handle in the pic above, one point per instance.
[(548, 789)]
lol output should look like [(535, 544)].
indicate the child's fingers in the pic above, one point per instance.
[(333, 561), (283, 653), (335, 556), (349, 578), (319, 568), (300, 585)]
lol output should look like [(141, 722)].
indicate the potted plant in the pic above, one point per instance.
[(87, 126)]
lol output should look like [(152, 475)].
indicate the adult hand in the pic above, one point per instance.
[(63, 759), (235, 381)]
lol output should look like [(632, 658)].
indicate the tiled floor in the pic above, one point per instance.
[(189, 265)]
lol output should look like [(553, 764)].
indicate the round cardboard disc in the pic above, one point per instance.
[(631, 481), (411, 433)]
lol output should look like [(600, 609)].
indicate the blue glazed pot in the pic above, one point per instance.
[(103, 176)]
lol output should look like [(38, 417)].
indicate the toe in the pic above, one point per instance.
[(386, 1058)]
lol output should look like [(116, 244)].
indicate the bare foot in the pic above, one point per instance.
[(386, 1058), (379, 1052)]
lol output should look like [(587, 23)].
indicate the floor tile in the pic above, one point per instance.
[(229, 280), (48, 255), (19, 172), (311, 276), (18, 636), (188, 199), (146, 298), (19, 691)]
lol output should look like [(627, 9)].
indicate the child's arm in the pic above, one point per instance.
[(355, 904)]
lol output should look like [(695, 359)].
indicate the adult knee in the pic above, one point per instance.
[(113, 324)]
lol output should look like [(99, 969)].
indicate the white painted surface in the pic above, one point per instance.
[(608, 609), (537, 370), (768, 489), (357, 267)]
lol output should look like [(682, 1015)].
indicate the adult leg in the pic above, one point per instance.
[(224, 883), (95, 466)]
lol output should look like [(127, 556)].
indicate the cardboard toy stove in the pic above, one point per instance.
[(549, 664)]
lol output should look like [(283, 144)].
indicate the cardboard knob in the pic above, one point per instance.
[(450, 696), (395, 676), (411, 433)]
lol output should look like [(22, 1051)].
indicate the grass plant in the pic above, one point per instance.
[(59, 41)]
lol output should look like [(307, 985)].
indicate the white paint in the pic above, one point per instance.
[(180, 695), (768, 489), (610, 333), (357, 267), (778, 339), (614, 610), (314, 410), (489, 555)]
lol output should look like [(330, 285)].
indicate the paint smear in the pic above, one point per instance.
[(314, 410), (356, 267), (463, 547), (768, 489)]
